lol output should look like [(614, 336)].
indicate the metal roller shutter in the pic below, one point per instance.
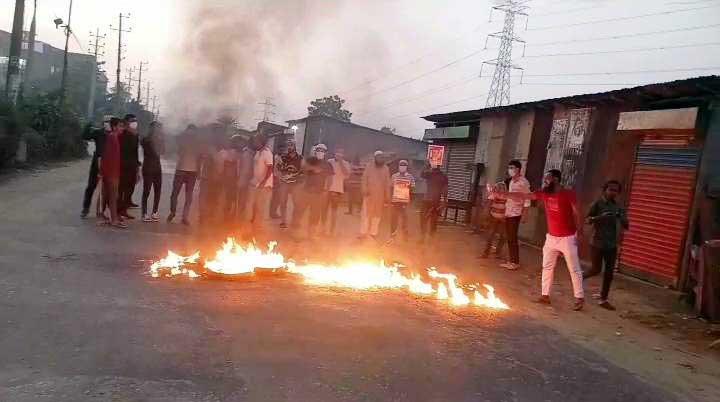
[(663, 184), (461, 157)]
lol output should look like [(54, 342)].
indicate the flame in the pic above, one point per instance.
[(233, 259), (173, 265)]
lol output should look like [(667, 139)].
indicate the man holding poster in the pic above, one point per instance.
[(402, 185)]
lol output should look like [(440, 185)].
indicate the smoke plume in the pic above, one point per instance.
[(234, 54)]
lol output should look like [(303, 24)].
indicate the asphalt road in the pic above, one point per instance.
[(81, 321)]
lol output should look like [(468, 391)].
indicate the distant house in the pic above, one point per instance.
[(47, 68), (359, 142)]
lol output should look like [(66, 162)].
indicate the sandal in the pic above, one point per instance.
[(120, 225)]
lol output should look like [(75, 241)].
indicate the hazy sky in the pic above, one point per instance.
[(393, 60)]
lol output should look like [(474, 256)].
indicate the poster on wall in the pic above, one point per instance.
[(579, 121), (556, 144), (436, 155)]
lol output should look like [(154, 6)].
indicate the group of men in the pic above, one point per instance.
[(509, 201), (250, 184), (116, 166)]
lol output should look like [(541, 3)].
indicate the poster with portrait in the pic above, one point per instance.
[(436, 155)]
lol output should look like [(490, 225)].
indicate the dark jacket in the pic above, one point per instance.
[(151, 156), (96, 135), (129, 147)]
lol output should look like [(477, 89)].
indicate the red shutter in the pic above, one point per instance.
[(663, 184)]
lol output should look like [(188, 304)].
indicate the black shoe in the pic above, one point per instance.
[(84, 213), (133, 205), (543, 300), (606, 305), (186, 222), (283, 225), (170, 217)]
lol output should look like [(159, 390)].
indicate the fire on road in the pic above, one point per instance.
[(233, 260)]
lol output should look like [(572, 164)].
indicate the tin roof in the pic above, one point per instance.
[(685, 88)]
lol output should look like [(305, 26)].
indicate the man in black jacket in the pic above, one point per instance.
[(97, 135), (129, 164)]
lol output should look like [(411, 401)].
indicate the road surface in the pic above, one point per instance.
[(82, 321)]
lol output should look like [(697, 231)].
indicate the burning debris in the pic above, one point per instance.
[(234, 260)]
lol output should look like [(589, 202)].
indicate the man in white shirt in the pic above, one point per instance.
[(261, 183), (336, 188), (514, 211), (186, 171)]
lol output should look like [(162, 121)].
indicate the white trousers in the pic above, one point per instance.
[(368, 224), (568, 247)]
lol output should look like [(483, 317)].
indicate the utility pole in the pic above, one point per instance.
[(120, 31), (68, 32), (130, 71), (139, 80), (31, 47), (12, 81), (93, 76), (147, 87), (268, 107), (499, 93)]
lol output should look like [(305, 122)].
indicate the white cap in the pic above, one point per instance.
[(378, 153)]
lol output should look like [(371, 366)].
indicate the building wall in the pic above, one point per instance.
[(359, 141)]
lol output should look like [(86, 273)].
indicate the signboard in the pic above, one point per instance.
[(667, 119), (447, 133), (436, 155)]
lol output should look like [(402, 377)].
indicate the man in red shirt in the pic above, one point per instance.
[(564, 225), (110, 170)]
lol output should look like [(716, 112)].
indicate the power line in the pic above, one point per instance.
[(402, 66), (624, 72), (423, 75), (421, 95), (647, 49), (632, 17), (632, 35), (584, 83)]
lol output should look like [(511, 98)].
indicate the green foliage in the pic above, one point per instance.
[(58, 128), (331, 106), (9, 133)]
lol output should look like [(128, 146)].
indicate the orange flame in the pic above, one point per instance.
[(233, 259)]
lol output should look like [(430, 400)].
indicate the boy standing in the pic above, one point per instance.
[(497, 220), (604, 215)]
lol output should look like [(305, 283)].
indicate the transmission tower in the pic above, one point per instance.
[(499, 93), (268, 112)]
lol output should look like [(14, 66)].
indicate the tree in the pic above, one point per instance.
[(388, 129), (330, 106)]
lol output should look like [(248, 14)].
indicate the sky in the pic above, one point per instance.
[(394, 61)]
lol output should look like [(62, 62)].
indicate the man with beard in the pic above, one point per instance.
[(315, 171), (288, 167), (564, 228), (97, 135), (130, 163), (375, 186)]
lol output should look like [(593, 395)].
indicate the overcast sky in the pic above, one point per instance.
[(394, 60)]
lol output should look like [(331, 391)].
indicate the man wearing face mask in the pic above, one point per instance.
[(130, 164), (315, 171), (564, 228), (97, 135), (402, 185), (514, 212), (336, 188), (375, 186)]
